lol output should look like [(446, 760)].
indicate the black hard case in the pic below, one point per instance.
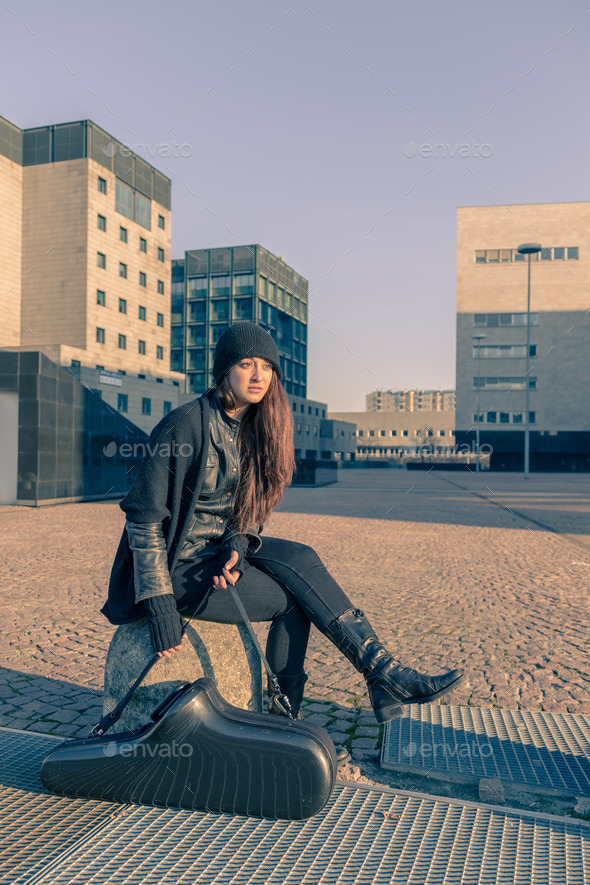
[(202, 753)]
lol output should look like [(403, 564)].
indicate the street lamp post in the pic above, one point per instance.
[(478, 338), (528, 249)]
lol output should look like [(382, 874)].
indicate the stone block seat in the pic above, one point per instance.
[(224, 652)]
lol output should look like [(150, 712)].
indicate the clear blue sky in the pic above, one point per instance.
[(294, 118)]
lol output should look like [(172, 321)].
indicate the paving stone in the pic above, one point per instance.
[(360, 754), (318, 719), (491, 791), (339, 737), (582, 805), (367, 731), (364, 744)]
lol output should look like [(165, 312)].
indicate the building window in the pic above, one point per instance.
[(123, 234), (161, 222), (141, 346), (122, 305), (548, 253), (101, 297), (160, 287), (159, 352), (122, 270), (404, 432), (167, 407), (142, 244), (141, 312), (161, 254), (142, 279), (102, 185), (504, 417), (161, 319), (100, 335), (124, 199), (197, 287), (75, 364), (504, 319), (101, 222), (146, 405), (220, 285), (101, 260), (122, 402), (532, 417), (123, 342)]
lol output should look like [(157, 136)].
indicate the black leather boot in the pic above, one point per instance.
[(293, 687), (390, 684)]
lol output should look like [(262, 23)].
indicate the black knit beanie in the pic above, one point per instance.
[(240, 342)]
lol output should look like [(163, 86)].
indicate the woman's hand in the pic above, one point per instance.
[(167, 654), (229, 575)]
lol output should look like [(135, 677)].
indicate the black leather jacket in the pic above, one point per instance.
[(211, 533)]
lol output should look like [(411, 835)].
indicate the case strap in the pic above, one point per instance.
[(281, 700)]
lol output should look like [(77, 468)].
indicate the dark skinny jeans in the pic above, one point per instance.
[(286, 583)]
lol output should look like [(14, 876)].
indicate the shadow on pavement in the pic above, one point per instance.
[(546, 502)]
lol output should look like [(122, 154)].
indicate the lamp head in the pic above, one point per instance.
[(529, 248)]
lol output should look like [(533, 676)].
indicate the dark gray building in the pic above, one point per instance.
[(214, 288)]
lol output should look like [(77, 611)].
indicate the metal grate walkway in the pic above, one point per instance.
[(363, 837), (542, 752)]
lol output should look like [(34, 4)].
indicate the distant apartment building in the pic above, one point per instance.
[(214, 288), (85, 263), (391, 434), (492, 333), (398, 400)]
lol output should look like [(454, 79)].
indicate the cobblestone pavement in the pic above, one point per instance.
[(487, 572)]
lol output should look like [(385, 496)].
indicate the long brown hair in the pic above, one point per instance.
[(267, 457)]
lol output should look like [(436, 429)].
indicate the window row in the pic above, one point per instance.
[(504, 319), (504, 417), (549, 253), (420, 432), (503, 351), (122, 343), (517, 382), (146, 404), (101, 299), (101, 261), (310, 409)]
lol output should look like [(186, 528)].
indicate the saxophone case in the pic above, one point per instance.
[(201, 753)]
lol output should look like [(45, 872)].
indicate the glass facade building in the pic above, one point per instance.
[(215, 288)]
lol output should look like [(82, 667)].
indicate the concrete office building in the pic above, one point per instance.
[(391, 435), (85, 263), (317, 437), (214, 288), (492, 327), (398, 400)]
